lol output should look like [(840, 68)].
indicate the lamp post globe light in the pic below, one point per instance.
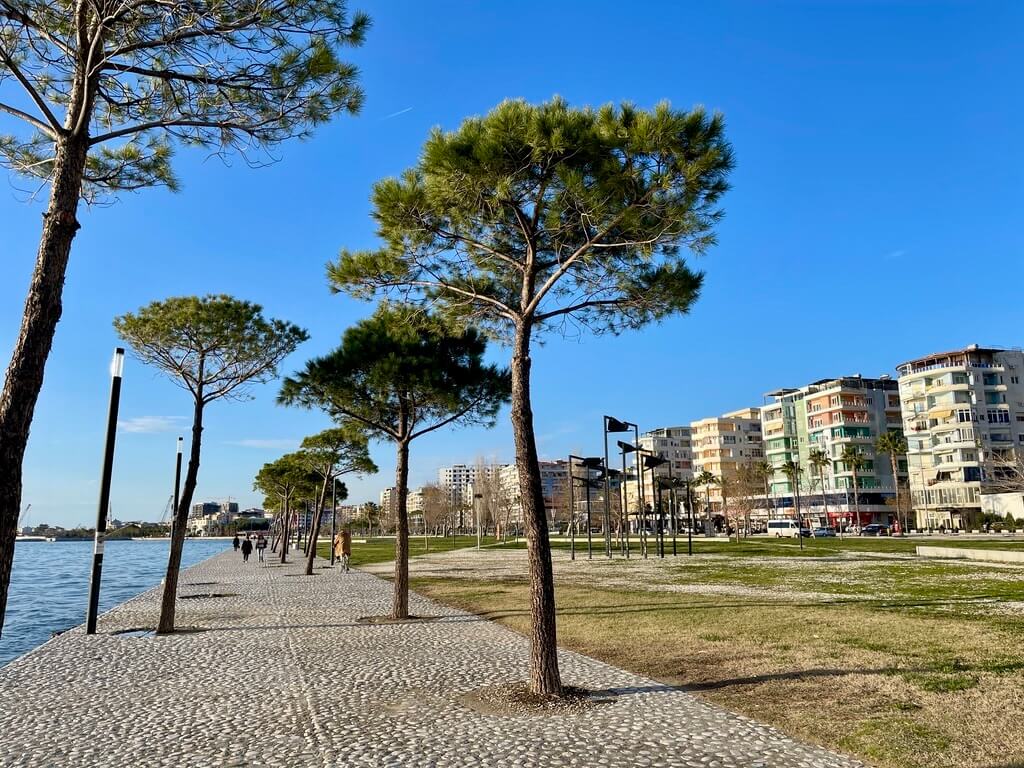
[(116, 373)]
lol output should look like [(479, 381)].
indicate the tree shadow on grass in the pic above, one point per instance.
[(610, 610)]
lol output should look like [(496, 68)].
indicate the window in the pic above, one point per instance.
[(963, 414), (1015, 379)]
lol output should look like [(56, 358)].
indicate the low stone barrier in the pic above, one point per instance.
[(987, 555)]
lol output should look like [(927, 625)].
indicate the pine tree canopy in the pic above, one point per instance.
[(571, 218), (401, 373), (214, 346), (136, 76)]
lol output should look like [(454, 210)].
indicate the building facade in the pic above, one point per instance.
[(722, 445), (554, 479), (457, 479), (963, 413), (828, 415)]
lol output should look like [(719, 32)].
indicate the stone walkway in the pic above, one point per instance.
[(278, 673)]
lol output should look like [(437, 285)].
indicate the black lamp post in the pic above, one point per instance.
[(116, 372), (611, 425), (334, 516), (177, 480), (627, 448), (689, 514), (590, 463), (652, 462)]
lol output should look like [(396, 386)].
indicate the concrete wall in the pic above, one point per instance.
[(988, 555)]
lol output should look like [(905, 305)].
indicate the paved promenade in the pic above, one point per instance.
[(278, 673)]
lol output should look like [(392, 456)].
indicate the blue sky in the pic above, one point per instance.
[(875, 215)]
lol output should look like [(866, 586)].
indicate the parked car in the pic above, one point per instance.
[(875, 529), (819, 533)]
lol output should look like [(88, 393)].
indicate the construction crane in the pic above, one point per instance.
[(23, 518), (167, 509)]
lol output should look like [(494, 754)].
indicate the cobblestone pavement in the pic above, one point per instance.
[(276, 672)]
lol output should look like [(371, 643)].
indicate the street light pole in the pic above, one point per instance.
[(624, 501), (177, 482), (610, 424), (689, 511), (334, 516), (476, 507), (116, 372), (572, 511)]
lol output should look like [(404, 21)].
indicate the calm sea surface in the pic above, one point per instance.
[(50, 583)]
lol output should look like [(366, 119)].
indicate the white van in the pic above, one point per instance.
[(780, 528)]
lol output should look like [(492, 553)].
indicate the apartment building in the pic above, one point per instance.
[(722, 444), (554, 479), (457, 478), (389, 506), (828, 415), (963, 412)]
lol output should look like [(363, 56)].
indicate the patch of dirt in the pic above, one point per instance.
[(516, 700)]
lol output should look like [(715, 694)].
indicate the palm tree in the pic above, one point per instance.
[(894, 444), (854, 461), (819, 460), (726, 485), (706, 479), (792, 470), (765, 471)]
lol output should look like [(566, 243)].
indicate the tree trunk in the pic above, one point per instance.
[(286, 528), (896, 484), (167, 604), (317, 514), (43, 307), (824, 499), (544, 675), (400, 600)]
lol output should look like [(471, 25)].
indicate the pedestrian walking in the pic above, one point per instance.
[(236, 543), (246, 550), (261, 546), (343, 547)]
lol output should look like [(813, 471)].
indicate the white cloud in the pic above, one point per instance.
[(142, 424), (273, 442)]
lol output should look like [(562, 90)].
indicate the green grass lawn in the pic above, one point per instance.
[(382, 550)]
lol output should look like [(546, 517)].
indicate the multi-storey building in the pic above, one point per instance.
[(389, 505), (963, 413), (722, 444), (457, 479), (554, 479), (829, 415)]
